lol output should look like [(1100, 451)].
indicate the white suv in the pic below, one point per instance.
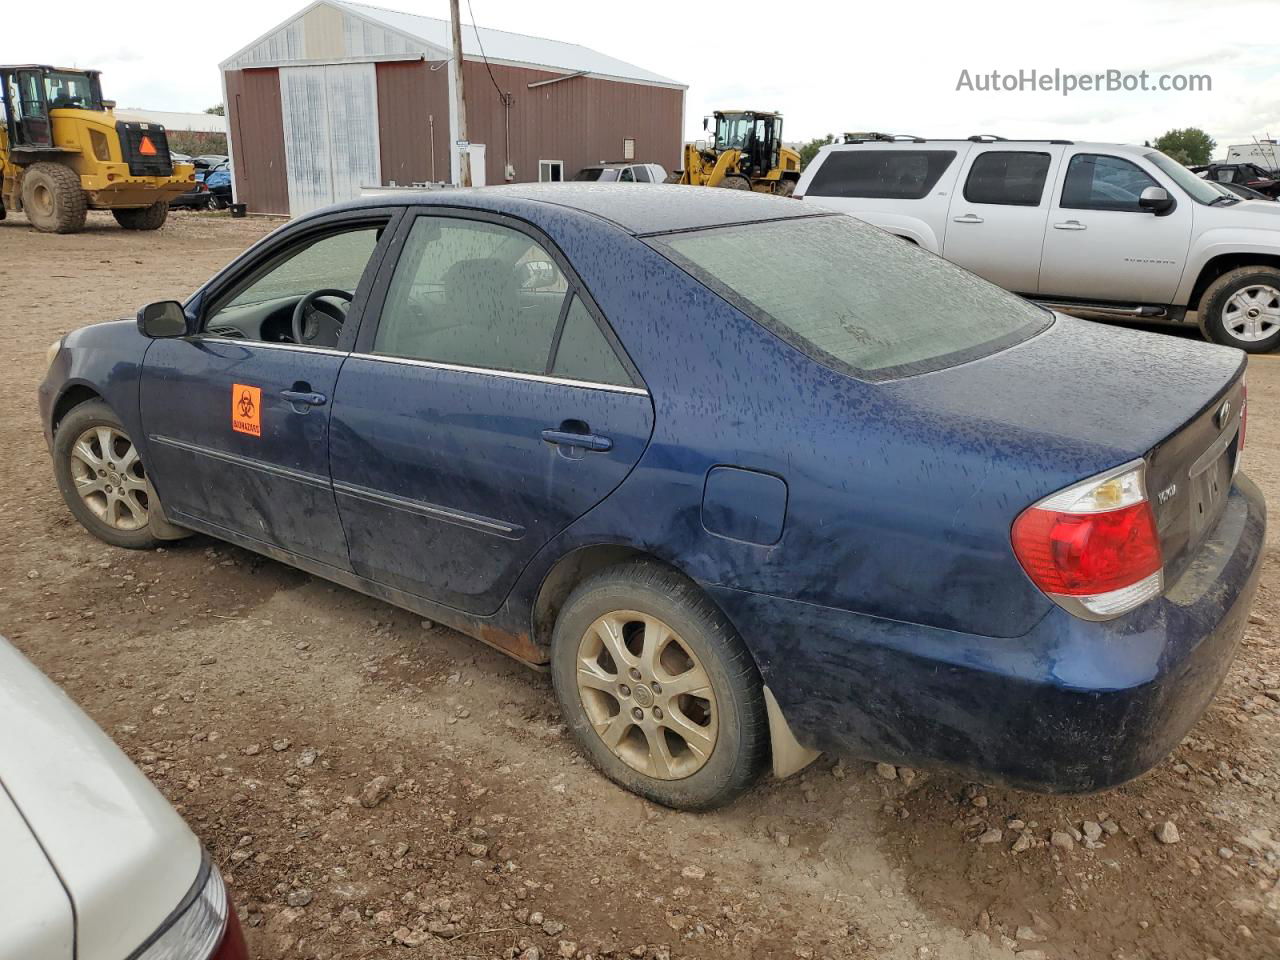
[(1099, 230)]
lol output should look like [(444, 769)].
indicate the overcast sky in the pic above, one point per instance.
[(828, 66)]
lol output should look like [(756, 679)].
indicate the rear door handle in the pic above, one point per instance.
[(1070, 225), (969, 218), (584, 441), (303, 398)]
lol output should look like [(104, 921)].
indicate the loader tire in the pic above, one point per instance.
[(785, 188), (735, 183), (52, 198), (144, 218)]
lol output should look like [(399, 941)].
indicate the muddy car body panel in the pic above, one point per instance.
[(854, 527)]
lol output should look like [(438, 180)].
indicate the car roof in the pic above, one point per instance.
[(661, 208), (921, 142)]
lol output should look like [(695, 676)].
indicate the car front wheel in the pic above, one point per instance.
[(1242, 309), (659, 689), (101, 477)]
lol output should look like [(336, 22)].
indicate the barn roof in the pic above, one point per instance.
[(410, 33)]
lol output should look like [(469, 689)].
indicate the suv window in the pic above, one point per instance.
[(1009, 177), (1101, 182), (839, 295), (642, 174), (472, 293), (881, 174), (583, 352)]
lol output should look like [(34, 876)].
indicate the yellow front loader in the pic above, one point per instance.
[(746, 153), (62, 153)]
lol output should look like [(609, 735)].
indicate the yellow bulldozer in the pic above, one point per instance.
[(744, 153), (62, 153)]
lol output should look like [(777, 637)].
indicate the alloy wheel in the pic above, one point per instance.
[(109, 478), (1252, 313), (648, 697)]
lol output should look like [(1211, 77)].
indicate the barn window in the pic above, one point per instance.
[(550, 171), (628, 149)]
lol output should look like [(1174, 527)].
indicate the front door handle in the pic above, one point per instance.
[(1070, 225), (583, 441), (969, 218), (304, 398)]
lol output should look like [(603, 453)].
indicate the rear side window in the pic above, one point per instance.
[(854, 298), (1101, 182), (880, 174), (1009, 177), (583, 352)]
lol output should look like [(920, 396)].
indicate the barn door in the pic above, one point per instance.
[(330, 133)]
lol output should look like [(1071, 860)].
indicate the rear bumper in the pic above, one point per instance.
[(1071, 707)]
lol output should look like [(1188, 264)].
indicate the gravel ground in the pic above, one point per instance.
[(375, 786)]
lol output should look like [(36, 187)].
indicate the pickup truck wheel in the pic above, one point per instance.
[(658, 688), (1242, 309), (101, 477)]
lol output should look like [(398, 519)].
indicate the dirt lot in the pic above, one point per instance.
[(263, 702)]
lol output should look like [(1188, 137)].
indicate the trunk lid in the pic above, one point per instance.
[(1083, 397)]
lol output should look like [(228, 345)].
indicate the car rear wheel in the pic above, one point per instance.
[(1242, 309), (101, 477), (659, 689)]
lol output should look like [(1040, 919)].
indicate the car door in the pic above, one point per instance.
[(996, 220), (488, 408), (237, 416), (1101, 245)]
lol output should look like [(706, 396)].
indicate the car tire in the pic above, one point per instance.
[(108, 494), (1242, 309), (52, 198), (698, 743), (143, 218)]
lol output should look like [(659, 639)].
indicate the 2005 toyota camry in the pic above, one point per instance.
[(753, 481)]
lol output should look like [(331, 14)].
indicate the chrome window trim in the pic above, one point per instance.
[(268, 344), (508, 374)]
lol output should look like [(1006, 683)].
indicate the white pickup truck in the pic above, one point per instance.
[(1098, 230)]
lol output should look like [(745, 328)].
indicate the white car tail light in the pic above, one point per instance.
[(1093, 547), (203, 927)]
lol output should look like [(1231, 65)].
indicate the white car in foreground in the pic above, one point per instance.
[(94, 863)]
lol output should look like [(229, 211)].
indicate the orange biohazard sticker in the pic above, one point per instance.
[(246, 409)]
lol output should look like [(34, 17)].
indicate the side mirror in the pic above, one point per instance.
[(1156, 200), (537, 275), (706, 122), (164, 318)]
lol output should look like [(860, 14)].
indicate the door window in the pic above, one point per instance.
[(584, 353), (880, 174), (475, 294), (642, 174), (261, 308), (1225, 174), (1008, 177), (1102, 182), (628, 175)]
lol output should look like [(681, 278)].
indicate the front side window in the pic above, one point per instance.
[(854, 298), (628, 175), (642, 174), (732, 130), (1200, 190), (880, 174), (1101, 182), (1008, 177), (474, 294), (261, 307)]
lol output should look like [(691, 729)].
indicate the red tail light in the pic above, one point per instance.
[(1093, 547)]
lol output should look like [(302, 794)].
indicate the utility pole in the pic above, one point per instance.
[(463, 146)]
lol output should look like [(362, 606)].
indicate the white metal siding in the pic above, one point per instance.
[(330, 133)]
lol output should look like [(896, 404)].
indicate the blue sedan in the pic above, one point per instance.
[(751, 481)]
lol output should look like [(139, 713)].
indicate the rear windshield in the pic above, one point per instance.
[(880, 174), (853, 297)]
